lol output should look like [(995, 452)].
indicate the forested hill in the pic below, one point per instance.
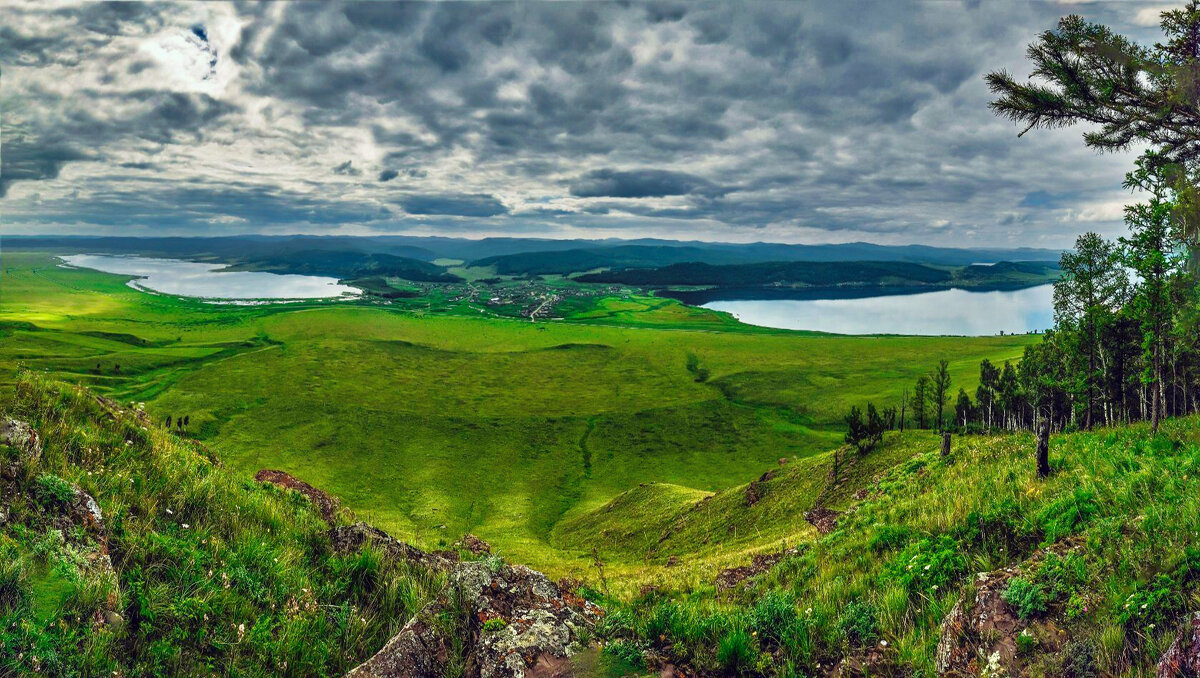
[(652, 254), (622, 256), (346, 264), (827, 274)]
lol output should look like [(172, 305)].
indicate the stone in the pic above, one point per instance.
[(21, 437), (1182, 659)]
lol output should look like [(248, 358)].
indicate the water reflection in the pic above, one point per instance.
[(195, 279), (957, 312)]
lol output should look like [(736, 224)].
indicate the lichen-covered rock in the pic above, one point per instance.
[(980, 634), (22, 438), (515, 623), (1182, 659)]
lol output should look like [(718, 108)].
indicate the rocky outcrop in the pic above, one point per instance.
[(1182, 659), (325, 504), (21, 437), (349, 538), (512, 621), (756, 489), (981, 633)]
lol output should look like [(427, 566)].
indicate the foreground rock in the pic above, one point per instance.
[(22, 438), (512, 622), (981, 633), (1182, 659)]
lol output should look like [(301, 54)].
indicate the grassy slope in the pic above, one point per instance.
[(494, 426), (212, 574), (1129, 500)]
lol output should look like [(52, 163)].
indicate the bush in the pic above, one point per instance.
[(928, 565), (1153, 604), (736, 652), (53, 491), (1068, 514), (1079, 660), (1026, 643), (1061, 577), (858, 622), (1026, 597), (998, 530)]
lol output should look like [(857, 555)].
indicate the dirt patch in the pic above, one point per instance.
[(475, 545), (755, 490), (823, 518), (734, 577)]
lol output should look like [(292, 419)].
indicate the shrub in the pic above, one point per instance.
[(1026, 643), (1061, 577), (859, 623), (1079, 660), (999, 529), (1026, 597), (736, 652), (1068, 514), (929, 564), (52, 490), (1151, 604)]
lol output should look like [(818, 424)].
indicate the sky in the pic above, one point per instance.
[(798, 122)]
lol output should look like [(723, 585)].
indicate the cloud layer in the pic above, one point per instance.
[(799, 122)]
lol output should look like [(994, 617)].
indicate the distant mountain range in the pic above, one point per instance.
[(526, 256)]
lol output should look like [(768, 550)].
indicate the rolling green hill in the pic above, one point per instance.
[(437, 424), (960, 565)]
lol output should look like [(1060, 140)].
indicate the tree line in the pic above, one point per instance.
[(1125, 345)]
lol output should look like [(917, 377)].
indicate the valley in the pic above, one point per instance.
[(435, 424)]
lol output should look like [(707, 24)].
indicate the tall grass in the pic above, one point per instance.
[(212, 574), (896, 565)]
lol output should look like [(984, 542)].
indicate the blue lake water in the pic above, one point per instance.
[(944, 312), (209, 281)]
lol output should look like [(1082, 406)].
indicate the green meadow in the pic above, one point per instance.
[(431, 424)]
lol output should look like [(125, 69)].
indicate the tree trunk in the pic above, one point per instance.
[(1043, 450), (945, 444)]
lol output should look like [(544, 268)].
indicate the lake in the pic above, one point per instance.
[(209, 281), (944, 312)]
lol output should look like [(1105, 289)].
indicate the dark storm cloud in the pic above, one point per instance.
[(718, 120), (21, 160), (347, 169), (454, 205), (639, 184)]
